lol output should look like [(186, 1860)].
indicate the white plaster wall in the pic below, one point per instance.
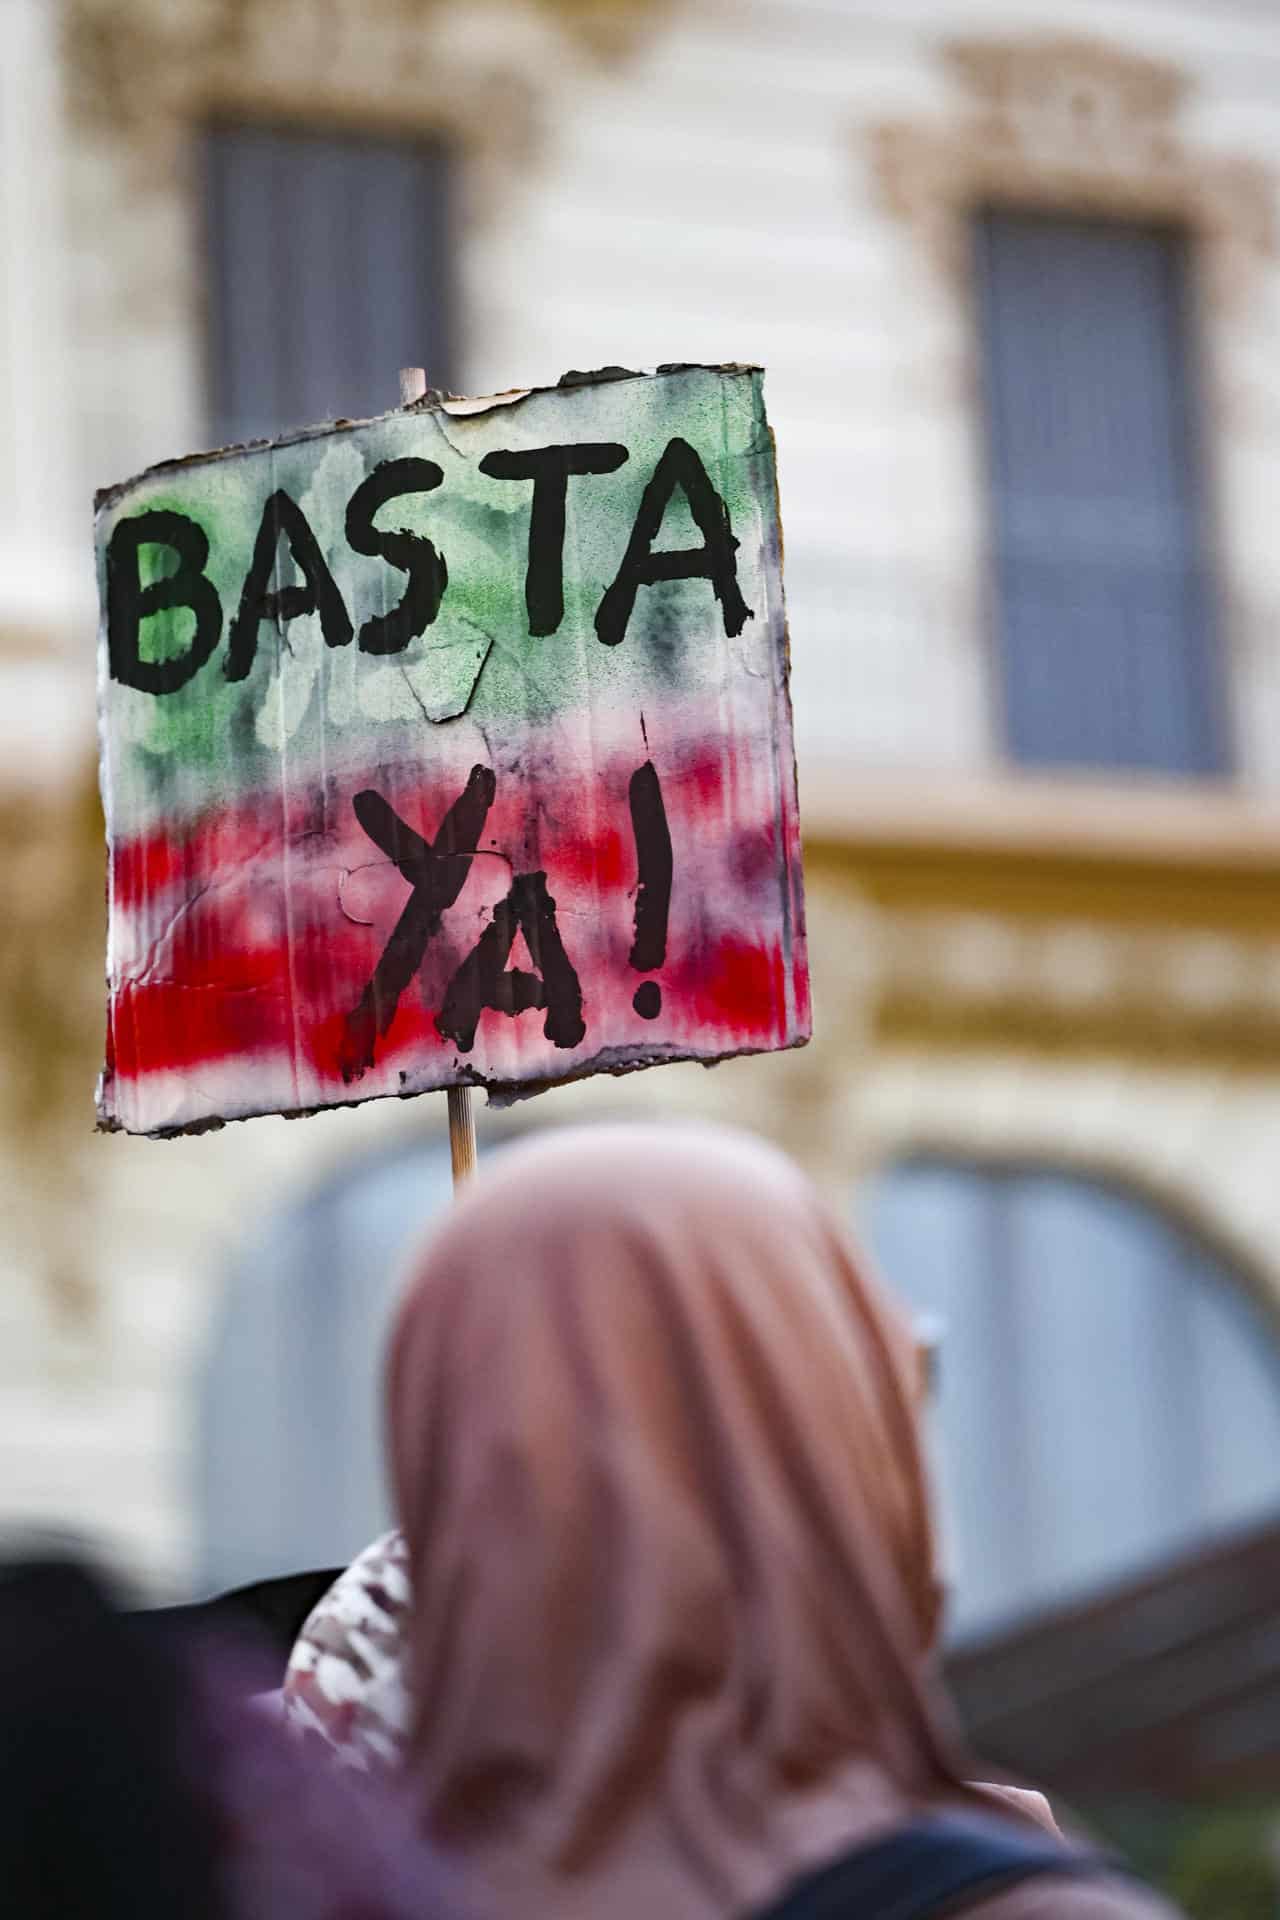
[(715, 197), (46, 574), (708, 196), (712, 194), (36, 504)]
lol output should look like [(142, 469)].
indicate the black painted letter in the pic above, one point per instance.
[(483, 979), (129, 603), (413, 553), (259, 602), (437, 871), (549, 469), (653, 885), (713, 560)]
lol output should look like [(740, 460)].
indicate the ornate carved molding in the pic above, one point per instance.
[(51, 1027), (1076, 124), (142, 75), (137, 72), (1063, 946), (140, 71), (1071, 92), (1066, 988), (131, 61)]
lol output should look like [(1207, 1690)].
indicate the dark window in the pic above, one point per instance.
[(1105, 613), (328, 270), (1109, 1393)]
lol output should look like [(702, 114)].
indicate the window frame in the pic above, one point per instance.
[(365, 132), (1209, 557), (1206, 1264)]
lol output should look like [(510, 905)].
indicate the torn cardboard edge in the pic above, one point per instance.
[(501, 1094), (456, 406), (502, 1091)]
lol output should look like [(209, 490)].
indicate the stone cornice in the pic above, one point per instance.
[(1079, 124)]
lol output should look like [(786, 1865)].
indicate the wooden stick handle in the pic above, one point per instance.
[(413, 384), (462, 1125), (462, 1134)]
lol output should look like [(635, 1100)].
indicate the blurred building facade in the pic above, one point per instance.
[(1013, 272)]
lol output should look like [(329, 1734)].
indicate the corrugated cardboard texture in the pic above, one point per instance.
[(449, 747)]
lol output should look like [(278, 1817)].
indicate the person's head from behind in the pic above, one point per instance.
[(101, 1810), (654, 1442), (139, 1782)]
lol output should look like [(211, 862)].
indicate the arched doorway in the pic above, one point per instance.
[(1109, 1393)]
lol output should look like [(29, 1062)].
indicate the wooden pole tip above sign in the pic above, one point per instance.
[(449, 748)]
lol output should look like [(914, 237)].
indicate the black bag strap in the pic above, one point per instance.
[(275, 1611), (935, 1865)]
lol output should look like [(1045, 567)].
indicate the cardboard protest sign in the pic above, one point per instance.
[(449, 747)]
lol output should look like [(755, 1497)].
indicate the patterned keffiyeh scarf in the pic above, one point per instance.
[(344, 1685)]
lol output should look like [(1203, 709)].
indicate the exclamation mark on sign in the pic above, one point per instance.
[(653, 891)]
